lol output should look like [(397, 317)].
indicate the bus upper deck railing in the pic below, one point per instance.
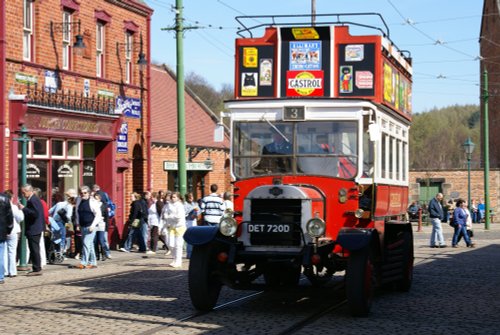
[(316, 19)]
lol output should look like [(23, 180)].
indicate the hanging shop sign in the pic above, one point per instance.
[(130, 107), (122, 139)]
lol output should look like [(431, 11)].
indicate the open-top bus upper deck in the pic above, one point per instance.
[(301, 60)]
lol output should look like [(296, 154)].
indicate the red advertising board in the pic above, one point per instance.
[(304, 83)]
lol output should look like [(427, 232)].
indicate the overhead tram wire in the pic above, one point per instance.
[(209, 37), (411, 23), (162, 4)]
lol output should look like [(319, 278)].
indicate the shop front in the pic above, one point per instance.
[(67, 149)]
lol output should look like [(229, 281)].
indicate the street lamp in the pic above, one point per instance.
[(468, 148), (142, 62), (65, 28)]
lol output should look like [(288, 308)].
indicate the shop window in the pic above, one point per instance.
[(36, 175), (88, 150), (73, 149), (65, 175), (88, 172), (57, 149), (40, 147)]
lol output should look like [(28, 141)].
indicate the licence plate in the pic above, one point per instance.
[(269, 228)]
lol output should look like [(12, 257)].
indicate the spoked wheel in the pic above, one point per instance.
[(204, 286), (360, 282), (318, 275), (404, 284)]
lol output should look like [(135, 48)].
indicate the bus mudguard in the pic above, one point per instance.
[(200, 235), (355, 239)]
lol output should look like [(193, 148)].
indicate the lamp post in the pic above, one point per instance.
[(468, 148)]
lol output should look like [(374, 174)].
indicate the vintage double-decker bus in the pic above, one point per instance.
[(319, 155)]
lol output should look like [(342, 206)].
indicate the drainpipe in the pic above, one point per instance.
[(2, 93), (148, 87)]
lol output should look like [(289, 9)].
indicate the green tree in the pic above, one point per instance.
[(436, 137), (207, 93)]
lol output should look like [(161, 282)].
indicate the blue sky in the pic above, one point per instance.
[(442, 36)]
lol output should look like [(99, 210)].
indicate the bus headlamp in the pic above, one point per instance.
[(316, 227), (228, 226), (359, 213), (342, 195)]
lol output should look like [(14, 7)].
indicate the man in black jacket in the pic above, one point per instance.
[(436, 214), (6, 225), (35, 225)]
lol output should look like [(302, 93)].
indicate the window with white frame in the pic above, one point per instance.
[(66, 41), (28, 30), (73, 149), (128, 57), (40, 148), (100, 49)]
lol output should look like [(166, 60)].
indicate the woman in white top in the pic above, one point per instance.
[(153, 222), (12, 240), (192, 211), (174, 216)]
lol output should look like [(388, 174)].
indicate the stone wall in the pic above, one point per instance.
[(456, 181)]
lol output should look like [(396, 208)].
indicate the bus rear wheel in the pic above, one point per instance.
[(404, 284), (204, 285), (360, 282)]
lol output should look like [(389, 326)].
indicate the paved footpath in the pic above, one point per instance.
[(455, 291)]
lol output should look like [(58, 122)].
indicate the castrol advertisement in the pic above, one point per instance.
[(305, 84)]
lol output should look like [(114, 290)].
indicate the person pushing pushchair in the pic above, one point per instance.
[(60, 216)]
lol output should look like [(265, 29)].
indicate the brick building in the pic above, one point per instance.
[(76, 103), (207, 161), (453, 184), (490, 49)]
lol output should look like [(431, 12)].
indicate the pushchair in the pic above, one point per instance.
[(54, 251)]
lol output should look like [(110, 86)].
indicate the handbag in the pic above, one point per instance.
[(470, 232), (136, 223), (63, 215)]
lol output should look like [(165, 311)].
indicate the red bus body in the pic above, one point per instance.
[(319, 131)]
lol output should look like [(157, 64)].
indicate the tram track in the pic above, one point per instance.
[(296, 326), (200, 314), (337, 302)]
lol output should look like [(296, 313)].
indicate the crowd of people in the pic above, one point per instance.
[(159, 216), (77, 225)]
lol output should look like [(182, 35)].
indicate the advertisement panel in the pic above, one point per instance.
[(305, 84)]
